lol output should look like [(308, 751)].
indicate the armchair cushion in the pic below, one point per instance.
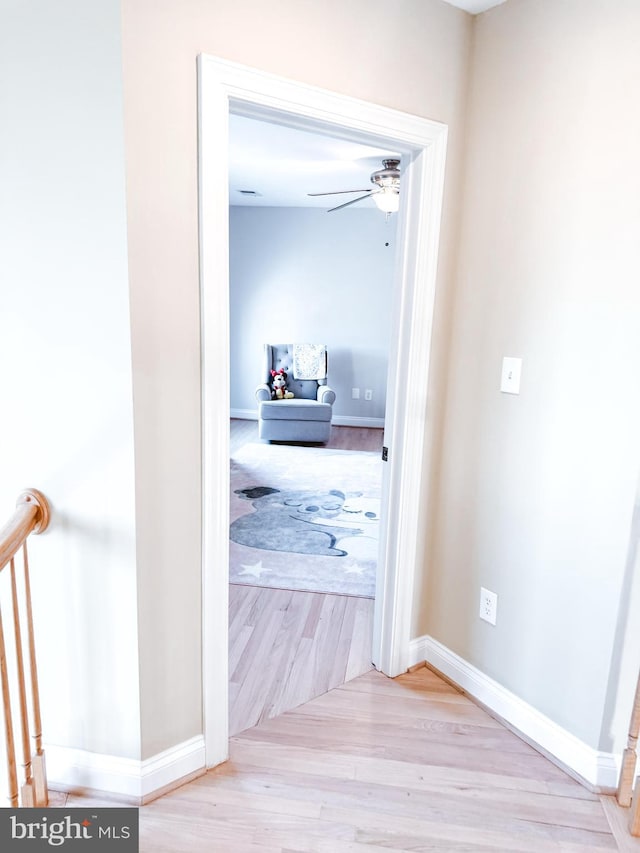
[(294, 409)]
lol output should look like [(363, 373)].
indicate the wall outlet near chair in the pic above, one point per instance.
[(368, 394)]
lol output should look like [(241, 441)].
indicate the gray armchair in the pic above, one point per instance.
[(307, 416)]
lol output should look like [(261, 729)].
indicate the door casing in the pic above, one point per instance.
[(225, 87)]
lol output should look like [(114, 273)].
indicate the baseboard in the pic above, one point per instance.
[(244, 414), (125, 778), (352, 421), (338, 420), (598, 770)]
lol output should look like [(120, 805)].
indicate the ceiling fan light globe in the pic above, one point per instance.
[(388, 201)]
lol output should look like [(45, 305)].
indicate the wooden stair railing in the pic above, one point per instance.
[(626, 795), (31, 516)]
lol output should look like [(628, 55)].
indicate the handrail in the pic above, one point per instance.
[(32, 515)]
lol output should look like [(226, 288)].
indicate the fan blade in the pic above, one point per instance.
[(353, 201), (339, 192)]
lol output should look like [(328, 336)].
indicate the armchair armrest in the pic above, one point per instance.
[(263, 392), (326, 394)]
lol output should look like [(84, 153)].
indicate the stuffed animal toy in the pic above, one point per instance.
[(279, 383)]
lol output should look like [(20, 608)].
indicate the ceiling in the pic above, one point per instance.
[(475, 6), (283, 164)]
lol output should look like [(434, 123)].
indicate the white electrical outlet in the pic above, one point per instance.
[(488, 605), (355, 393), (368, 394)]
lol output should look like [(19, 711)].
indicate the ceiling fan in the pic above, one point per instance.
[(385, 191)]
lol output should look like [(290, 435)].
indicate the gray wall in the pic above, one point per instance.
[(306, 275)]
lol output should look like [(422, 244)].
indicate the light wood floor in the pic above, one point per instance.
[(342, 437), (405, 764), (287, 647)]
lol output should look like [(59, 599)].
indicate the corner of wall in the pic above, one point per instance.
[(73, 770), (595, 769)]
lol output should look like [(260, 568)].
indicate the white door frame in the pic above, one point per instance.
[(224, 87)]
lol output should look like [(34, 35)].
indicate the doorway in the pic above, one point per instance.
[(301, 623), (422, 145)]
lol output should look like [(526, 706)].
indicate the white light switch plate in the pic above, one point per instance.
[(511, 370)]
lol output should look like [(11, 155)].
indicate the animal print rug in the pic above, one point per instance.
[(305, 518)]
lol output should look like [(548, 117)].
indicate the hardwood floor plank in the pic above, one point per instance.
[(289, 641), (283, 822), (299, 685), (470, 804), (254, 679), (453, 707), (172, 835), (241, 604), (359, 660), (470, 754), (313, 618), (253, 823), (267, 754), (333, 725), (499, 833), (340, 663), (323, 650), (260, 618), (238, 647), (410, 684)]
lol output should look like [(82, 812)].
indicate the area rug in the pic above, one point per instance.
[(305, 518)]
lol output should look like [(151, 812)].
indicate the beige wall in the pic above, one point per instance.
[(334, 45), (67, 413), (538, 490)]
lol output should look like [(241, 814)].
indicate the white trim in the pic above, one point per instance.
[(244, 414), (338, 420), (173, 764), (73, 769), (355, 421), (600, 770), (404, 505), (213, 224), (422, 145)]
